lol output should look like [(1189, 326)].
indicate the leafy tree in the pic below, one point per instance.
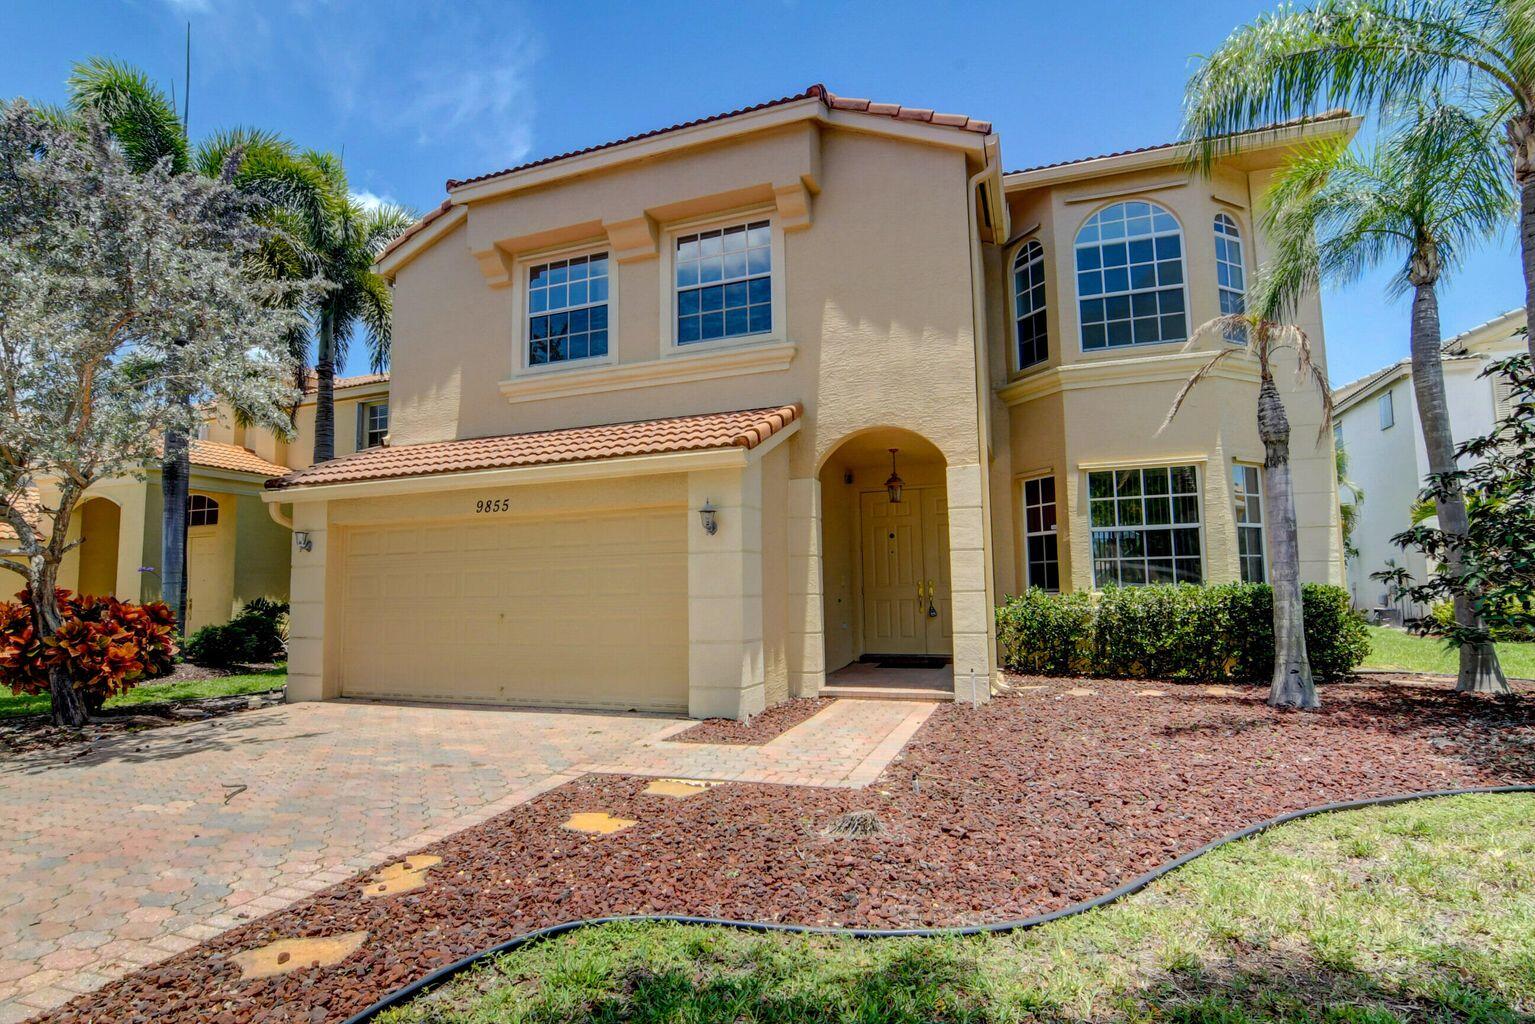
[(1491, 565), (124, 298), (1381, 55), (1422, 196), (1348, 507), (1259, 335)]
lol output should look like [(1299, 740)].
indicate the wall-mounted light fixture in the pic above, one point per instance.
[(895, 484), (706, 515), (303, 540)]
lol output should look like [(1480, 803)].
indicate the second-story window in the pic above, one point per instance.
[(568, 309), (1230, 273), (1387, 411), (1029, 304), (372, 424), (1130, 277), (724, 283)]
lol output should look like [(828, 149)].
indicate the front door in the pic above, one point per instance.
[(906, 572)]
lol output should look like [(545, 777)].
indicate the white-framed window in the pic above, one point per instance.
[(1130, 288), (1029, 304), (567, 309), (202, 510), (724, 282), (1387, 411), (1246, 494), (1230, 273), (1145, 526), (1040, 538), (372, 424)]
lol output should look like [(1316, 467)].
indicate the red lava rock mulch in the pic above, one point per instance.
[(762, 727), (1030, 803)]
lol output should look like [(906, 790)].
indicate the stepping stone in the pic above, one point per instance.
[(1079, 692), (679, 788), (597, 823), (1222, 691), (1151, 693), (401, 876), (287, 955), (1030, 687)]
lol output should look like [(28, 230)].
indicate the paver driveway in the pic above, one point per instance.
[(146, 845)]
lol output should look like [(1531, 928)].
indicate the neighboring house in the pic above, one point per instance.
[(236, 549), (1376, 420), (774, 402)]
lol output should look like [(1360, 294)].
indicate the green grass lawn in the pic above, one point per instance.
[(1394, 649), (1422, 912), (11, 704)]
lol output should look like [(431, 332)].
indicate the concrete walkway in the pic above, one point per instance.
[(149, 843)]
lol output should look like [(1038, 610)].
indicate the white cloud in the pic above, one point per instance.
[(369, 201)]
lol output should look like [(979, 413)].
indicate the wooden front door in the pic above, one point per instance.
[(905, 550)]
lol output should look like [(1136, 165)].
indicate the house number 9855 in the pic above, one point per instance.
[(493, 505)]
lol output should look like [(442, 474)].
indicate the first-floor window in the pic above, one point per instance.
[(1145, 526), (1041, 550), (202, 510), (1249, 517)]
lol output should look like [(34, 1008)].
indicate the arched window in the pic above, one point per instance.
[(1230, 274), (1130, 277), (1029, 304), (202, 511)]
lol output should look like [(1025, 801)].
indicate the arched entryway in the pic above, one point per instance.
[(885, 562), (100, 524)]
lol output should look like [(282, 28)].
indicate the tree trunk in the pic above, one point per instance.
[(1292, 685), (175, 484), (1522, 138), (66, 703), (1479, 668), (325, 392)]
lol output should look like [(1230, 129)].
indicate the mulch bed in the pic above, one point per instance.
[(764, 726), (1028, 804)]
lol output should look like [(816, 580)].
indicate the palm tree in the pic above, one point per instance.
[(1348, 508), (1380, 54), (143, 122), (1424, 195), (1260, 336), (338, 244)]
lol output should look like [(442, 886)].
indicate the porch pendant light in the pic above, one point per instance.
[(895, 484)]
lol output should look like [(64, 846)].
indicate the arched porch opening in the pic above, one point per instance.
[(100, 522), (885, 563)]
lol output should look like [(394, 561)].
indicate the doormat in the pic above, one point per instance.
[(909, 661)]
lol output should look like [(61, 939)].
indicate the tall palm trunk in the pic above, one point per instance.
[(1521, 135), (175, 487), (325, 391), (1292, 685), (1479, 668)]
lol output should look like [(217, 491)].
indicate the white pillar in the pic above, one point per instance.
[(725, 658), (807, 617), (309, 677), (975, 647)]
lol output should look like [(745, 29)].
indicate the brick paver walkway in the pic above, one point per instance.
[(147, 845)]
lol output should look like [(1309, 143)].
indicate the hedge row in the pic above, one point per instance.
[(1205, 633)]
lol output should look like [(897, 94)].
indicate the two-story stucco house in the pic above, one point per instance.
[(780, 402), (237, 546), (1376, 421)]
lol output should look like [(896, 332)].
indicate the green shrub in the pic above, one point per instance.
[(1443, 614), (1209, 633), (256, 634)]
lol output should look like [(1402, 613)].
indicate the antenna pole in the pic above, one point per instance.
[(186, 94)]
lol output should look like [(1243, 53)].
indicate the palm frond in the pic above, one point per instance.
[(1193, 382), (137, 113)]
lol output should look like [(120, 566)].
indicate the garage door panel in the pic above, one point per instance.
[(578, 610)]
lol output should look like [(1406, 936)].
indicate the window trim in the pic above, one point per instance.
[(1198, 465), (1116, 351), (364, 407), (1240, 238), (522, 268), (1261, 525), (1014, 357), (669, 347), (1023, 505), (1385, 404), (212, 505)]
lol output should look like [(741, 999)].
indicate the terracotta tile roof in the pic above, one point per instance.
[(744, 429), (1326, 115), (349, 382), (232, 458), (31, 508), (818, 91), (415, 229)]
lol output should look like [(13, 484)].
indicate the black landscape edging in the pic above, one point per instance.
[(442, 974)]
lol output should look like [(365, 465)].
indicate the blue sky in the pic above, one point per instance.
[(413, 93)]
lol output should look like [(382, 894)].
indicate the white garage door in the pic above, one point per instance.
[(574, 611)]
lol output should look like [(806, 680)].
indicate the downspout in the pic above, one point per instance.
[(281, 518), (983, 408)]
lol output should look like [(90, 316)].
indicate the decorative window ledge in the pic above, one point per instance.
[(732, 362)]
